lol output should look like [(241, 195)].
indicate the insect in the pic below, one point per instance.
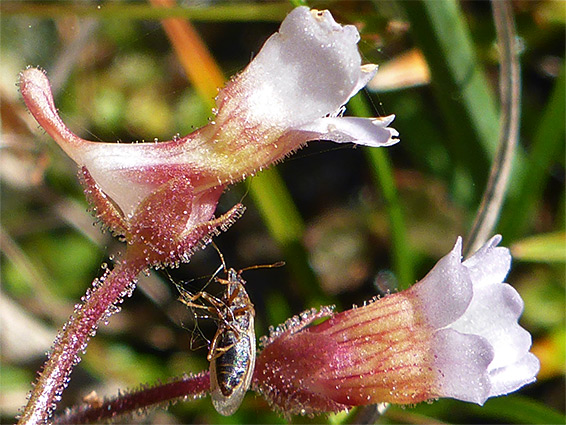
[(233, 349)]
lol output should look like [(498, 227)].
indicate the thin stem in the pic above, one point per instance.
[(98, 303), (462, 92), (510, 92), (546, 149), (98, 410)]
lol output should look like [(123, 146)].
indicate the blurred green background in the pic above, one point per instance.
[(350, 223)]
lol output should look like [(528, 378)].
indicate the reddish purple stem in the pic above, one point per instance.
[(190, 386), (73, 338)]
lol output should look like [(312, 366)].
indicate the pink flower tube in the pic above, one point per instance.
[(453, 334), (164, 194)]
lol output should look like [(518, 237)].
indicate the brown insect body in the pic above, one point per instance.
[(232, 351), (232, 354)]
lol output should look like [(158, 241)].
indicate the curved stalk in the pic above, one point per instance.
[(98, 303), (510, 92)]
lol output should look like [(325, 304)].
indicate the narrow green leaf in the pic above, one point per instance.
[(548, 145), (383, 175), (297, 3), (518, 409), (546, 248), (286, 226), (270, 11), (514, 409), (276, 205), (462, 91)]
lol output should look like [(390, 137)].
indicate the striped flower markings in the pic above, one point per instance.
[(453, 334)]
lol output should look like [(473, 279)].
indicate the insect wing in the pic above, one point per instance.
[(231, 373)]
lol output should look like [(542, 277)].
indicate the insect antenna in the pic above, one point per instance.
[(258, 266), (262, 266)]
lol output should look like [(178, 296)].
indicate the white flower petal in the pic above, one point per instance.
[(307, 70), (362, 131), (490, 264), (128, 173), (462, 361), (479, 346), (446, 291), (368, 71), (514, 376), (493, 314)]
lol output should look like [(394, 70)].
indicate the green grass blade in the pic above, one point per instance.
[(514, 409), (286, 226), (548, 144), (541, 248), (245, 12), (520, 410), (274, 200), (383, 174), (462, 91)]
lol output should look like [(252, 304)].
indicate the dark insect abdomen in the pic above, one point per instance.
[(232, 365)]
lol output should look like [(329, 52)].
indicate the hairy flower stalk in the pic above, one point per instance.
[(72, 340), (97, 410), (161, 197), (453, 334)]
